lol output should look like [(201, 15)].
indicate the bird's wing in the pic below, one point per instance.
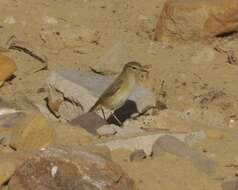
[(110, 91)]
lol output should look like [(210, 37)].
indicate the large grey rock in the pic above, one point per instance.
[(144, 141), (84, 89), (177, 147), (67, 168), (89, 121)]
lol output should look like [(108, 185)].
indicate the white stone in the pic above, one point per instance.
[(107, 130), (54, 171), (10, 20)]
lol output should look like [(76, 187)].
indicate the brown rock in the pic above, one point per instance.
[(186, 19), (101, 150), (74, 169), (32, 132), (8, 164), (7, 168), (7, 68), (67, 135)]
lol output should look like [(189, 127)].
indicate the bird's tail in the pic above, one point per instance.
[(93, 108)]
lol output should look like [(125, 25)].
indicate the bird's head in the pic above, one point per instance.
[(134, 67)]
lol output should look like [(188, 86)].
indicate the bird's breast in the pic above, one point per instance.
[(121, 95)]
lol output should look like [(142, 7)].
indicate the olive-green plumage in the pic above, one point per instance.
[(119, 91)]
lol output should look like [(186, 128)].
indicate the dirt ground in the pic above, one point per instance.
[(198, 80)]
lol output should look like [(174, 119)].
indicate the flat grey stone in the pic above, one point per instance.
[(146, 140), (175, 146), (89, 121)]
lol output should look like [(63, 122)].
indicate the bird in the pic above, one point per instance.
[(120, 89)]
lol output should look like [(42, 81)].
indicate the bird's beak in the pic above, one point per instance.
[(145, 68)]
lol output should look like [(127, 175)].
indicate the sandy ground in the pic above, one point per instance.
[(197, 79)]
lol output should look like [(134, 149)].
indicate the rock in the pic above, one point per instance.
[(113, 61), (35, 132), (84, 88), (113, 129), (8, 164), (230, 185), (11, 112), (61, 168), (46, 112), (32, 132), (157, 150), (193, 20), (146, 140), (67, 135), (175, 146), (101, 150), (7, 168), (10, 161), (5, 137), (54, 101), (89, 121), (7, 68), (107, 130), (128, 129), (138, 155), (57, 108)]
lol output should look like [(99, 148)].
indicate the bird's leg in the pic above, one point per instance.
[(118, 121), (103, 113)]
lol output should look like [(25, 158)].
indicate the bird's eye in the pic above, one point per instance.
[(133, 67)]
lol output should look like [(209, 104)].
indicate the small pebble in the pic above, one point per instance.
[(106, 130), (138, 155), (54, 171)]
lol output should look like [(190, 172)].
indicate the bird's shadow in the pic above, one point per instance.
[(123, 113)]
